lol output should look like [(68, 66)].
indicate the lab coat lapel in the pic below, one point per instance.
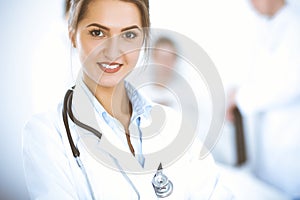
[(109, 150), (124, 163), (109, 143)]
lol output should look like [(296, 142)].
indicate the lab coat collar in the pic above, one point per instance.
[(111, 144), (141, 106)]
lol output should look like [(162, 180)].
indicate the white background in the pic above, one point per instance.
[(29, 57)]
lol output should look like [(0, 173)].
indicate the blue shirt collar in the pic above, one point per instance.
[(141, 106)]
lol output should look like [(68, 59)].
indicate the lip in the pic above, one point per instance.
[(109, 67)]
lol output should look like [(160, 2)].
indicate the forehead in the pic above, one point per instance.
[(262, 1), (113, 13)]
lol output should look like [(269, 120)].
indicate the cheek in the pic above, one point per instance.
[(85, 54), (132, 58), (85, 49)]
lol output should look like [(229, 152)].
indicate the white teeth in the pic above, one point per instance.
[(110, 66)]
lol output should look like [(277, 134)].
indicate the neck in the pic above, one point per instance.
[(113, 99)]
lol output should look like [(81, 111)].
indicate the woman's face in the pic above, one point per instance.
[(108, 40)]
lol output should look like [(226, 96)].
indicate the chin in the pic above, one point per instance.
[(109, 83)]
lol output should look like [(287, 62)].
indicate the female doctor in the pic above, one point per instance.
[(94, 145)]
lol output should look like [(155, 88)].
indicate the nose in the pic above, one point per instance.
[(112, 49)]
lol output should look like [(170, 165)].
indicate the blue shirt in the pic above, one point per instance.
[(141, 108)]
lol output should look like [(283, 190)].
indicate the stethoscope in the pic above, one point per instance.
[(163, 187)]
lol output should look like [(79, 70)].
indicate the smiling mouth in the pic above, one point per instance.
[(109, 67)]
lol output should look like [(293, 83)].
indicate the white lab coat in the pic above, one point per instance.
[(52, 172), (273, 97)]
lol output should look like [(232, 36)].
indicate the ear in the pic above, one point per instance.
[(72, 37)]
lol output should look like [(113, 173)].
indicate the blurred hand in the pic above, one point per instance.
[(231, 106)]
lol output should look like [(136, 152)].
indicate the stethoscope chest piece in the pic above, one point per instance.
[(163, 187)]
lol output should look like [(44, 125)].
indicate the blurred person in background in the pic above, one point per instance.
[(162, 73), (173, 83), (272, 95)]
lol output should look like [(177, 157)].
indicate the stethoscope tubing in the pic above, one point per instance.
[(75, 151), (67, 111)]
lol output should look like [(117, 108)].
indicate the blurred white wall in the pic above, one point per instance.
[(22, 23)]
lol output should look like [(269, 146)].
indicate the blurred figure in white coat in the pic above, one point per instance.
[(174, 82), (272, 95), (164, 59)]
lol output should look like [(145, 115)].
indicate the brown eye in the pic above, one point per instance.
[(96, 33)]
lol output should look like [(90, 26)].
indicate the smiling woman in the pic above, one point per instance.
[(93, 146), (107, 62)]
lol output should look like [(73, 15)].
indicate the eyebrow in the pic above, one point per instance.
[(107, 29), (130, 27)]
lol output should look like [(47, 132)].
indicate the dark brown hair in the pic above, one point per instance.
[(78, 9)]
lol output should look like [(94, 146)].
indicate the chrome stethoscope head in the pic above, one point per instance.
[(163, 187)]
